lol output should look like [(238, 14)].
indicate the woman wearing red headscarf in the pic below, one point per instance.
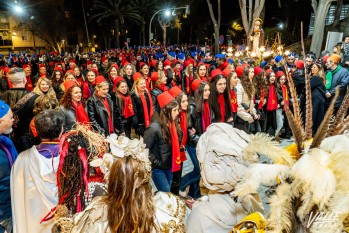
[(145, 74), (159, 86), (142, 104), (88, 87), (112, 77)]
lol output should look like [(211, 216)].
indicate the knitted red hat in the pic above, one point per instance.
[(279, 74), (195, 84), (175, 91), (215, 72), (164, 99)]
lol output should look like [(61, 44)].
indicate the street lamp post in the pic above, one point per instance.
[(168, 13)]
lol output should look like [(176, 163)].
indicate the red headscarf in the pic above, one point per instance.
[(184, 127)]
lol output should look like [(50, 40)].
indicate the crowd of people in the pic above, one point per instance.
[(166, 98)]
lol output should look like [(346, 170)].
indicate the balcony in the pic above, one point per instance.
[(5, 43), (4, 26)]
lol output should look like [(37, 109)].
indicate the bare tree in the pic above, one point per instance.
[(164, 24), (216, 23), (337, 15), (320, 9), (249, 13)]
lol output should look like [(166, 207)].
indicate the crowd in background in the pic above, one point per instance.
[(167, 96)]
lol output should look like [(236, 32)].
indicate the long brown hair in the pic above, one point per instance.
[(66, 100), (129, 198), (321, 73), (260, 83), (246, 83), (119, 100), (199, 97), (165, 120)]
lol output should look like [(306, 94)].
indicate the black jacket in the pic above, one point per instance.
[(160, 151), (138, 125), (98, 115), (129, 82), (155, 92), (69, 117)]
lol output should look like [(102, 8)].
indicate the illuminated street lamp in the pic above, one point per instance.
[(18, 9)]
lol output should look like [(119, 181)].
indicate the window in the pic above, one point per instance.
[(24, 37)]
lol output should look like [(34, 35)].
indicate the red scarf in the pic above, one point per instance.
[(110, 117), (86, 91), (184, 127), (176, 156), (148, 113), (233, 101), (147, 82), (9, 83), (29, 85), (261, 100), (206, 116), (128, 107), (188, 81), (204, 78), (272, 100), (80, 81), (80, 113), (285, 95), (162, 87), (221, 103)]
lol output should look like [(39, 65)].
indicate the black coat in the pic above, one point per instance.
[(155, 92), (98, 115), (69, 117), (139, 113), (160, 151), (129, 82)]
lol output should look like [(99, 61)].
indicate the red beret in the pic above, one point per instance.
[(167, 63), (6, 70), (175, 91), (279, 74), (239, 70), (41, 66), (164, 99), (72, 61), (25, 66), (257, 70), (245, 64), (200, 63), (104, 59), (124, 63), (299, 64), (51, 63), (225, 64), (100, 79), (89, 62), (226, 72), (136, 76), (215, 72), (195, 84), (68, 84), (154, 76)]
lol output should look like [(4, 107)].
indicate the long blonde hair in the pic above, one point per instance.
[(50, 91), (321, 73)]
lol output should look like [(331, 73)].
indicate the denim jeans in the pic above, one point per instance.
[(193, 177), (162, 179), (279, 121)]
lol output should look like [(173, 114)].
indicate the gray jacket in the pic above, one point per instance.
[(340, 79)]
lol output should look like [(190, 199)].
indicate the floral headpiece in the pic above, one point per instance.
[(120, 147)]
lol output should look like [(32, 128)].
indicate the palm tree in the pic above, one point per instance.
[(146, 9), (117, 11)]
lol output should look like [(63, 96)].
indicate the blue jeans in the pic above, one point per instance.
[(162, 179), (192, 178)]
